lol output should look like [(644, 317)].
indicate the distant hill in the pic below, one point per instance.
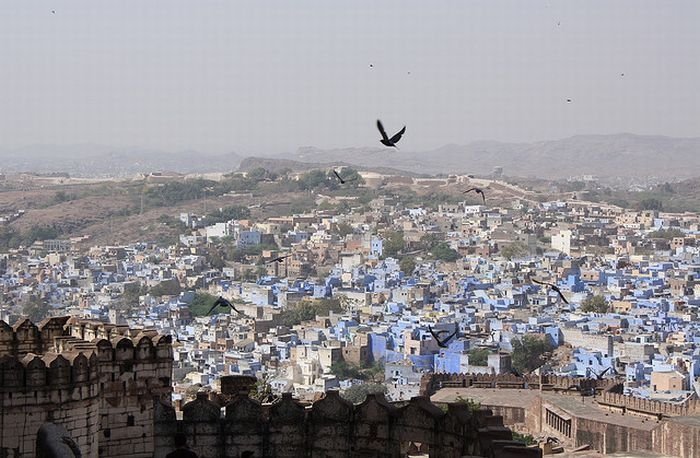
[(89, 160), (618, 155), (625, 155)]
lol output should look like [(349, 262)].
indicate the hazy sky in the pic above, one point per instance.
[(270, 76)]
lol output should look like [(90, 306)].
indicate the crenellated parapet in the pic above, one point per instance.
[(430, 383), (331, 427), (47, 355), (89, 376)]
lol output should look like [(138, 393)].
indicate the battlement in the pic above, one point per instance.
[(86, 376), (430, 383), (624, 403), (333, 427)]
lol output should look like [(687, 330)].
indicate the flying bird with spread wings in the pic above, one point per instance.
[(386, 141), (278, 259), (478, 191), (598, 376), (221, 302), (553, 287), (443, 342)]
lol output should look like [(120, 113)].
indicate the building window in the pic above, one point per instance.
[(130, 420)]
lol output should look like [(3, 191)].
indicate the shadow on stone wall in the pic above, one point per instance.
[(334, 427)]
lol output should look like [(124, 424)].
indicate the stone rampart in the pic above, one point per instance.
[(430, 383), (331, 427), (633, 404), (102, 390)]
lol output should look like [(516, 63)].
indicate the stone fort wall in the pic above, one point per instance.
[(333, 427), (96, 380), (430, 383)]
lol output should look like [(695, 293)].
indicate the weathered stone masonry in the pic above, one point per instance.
[(96, 380), (333, 427)]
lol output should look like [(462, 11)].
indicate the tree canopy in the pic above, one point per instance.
[(528, 352), (357, 393), (595, 304)]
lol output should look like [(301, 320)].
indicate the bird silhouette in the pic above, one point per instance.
[(568, 100), (599, 375), (386, 141), (223, 303), (553, 288), (53, 11), (278, 259), (341, 179), (371, 66), (478, 191), (443, 342)]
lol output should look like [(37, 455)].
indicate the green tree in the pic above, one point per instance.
[(344, 370), (514, 250), (202, 303), (166, 288), (357, 393), (262, 390), (528, 352), (36, 308), (479, 356), (595, 304), (443, 252), (344, 229), (308, 310), (393, 243), (666, 234), (526, 439), (651, 204), (407, 265)]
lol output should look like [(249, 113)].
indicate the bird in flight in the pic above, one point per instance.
[(386, 141), (278, 259), (597, 375), (553, 288), (443, 342), (341, 179), (223, 303), (478, 191), (568, 100)]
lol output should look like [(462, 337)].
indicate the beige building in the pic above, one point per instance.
[(667, 381)]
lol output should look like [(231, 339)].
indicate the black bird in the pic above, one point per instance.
[(223, 303), (568, 100), (341, 179), (436, 335), (279, 259), (371, 66), (53, 11), (597, 375), (478, 191), (386, 141), (554, 288)]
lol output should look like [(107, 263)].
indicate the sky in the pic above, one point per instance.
[(259, 77)]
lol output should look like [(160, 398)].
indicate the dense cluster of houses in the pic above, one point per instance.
[(645, 265)]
